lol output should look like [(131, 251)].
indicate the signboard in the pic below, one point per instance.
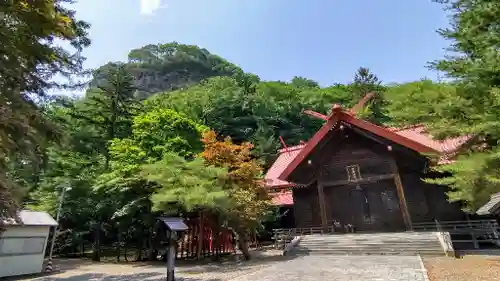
[(353, 173)]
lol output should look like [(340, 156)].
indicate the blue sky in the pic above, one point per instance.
[(277, 39)]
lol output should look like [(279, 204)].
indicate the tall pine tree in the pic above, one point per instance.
[(110, 106), (30, 56), (474, 108), (365, 82)]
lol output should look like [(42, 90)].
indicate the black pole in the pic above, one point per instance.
[(171, 262)]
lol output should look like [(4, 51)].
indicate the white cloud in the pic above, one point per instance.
[(148, 7)]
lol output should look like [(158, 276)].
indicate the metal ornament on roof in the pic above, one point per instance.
[(353, 110)]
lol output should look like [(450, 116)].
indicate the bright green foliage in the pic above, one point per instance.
[(164, 130), (419, 102), (274, 109), (186, 185), (156, 135), (474, 179)]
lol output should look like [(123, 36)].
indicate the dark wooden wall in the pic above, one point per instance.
[(346, 201), (427, 202), (370, 207), (354, 150), (306, 207)]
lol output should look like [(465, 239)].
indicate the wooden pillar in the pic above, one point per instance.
[(322, 204), (401, 195), (200, 234)]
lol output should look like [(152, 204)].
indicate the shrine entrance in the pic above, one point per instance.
[(368, 207)]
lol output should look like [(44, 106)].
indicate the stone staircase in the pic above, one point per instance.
[(402, 243)]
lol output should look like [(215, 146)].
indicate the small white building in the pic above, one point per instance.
[(22, 245)]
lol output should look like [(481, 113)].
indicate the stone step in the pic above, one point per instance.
[(377, 238), (399, 241), (320, 244), (370, 250), (367, 242), (407, 243), (367, 250), (427, 246), (432, 244), (352, 252)]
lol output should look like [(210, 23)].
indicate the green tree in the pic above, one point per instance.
[(173, 66), (110, 106), (74, 163), (273, 110), (365, 82), (474, 108), (249, 198), (418, 102), (30, 58), (301, 82), (186, 185), (156, 135)]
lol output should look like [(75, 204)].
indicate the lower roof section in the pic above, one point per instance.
[(282, 198)]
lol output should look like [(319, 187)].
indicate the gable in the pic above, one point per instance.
[(351, 146), (400, 138)]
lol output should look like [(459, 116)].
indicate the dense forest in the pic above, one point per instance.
[(176, 129)]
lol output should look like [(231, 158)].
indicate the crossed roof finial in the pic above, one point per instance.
[(337, 108)]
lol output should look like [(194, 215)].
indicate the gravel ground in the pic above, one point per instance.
[(79, 270), (265, 267), (470, 268)]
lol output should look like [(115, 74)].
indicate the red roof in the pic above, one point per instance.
[(284, 158), (414, 137), (418, 133), (282, 198)]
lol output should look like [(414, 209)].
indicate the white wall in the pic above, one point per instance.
[(13, 257)]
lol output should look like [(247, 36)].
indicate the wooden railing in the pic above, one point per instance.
[(479, 230), (457, 226), (283, 236)]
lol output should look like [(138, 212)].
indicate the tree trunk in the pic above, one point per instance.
[(118, 247), (200, 235), (140, 250), (152, 253), (96, 246), (125, 251), (243, 244)]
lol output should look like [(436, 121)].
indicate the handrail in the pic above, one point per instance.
[(283, 236), (477, 225), (485, 230), (494, 222)]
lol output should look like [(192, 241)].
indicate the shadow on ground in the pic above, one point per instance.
[(125, 277), (83, 270), (225, 264), (59, 266)]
